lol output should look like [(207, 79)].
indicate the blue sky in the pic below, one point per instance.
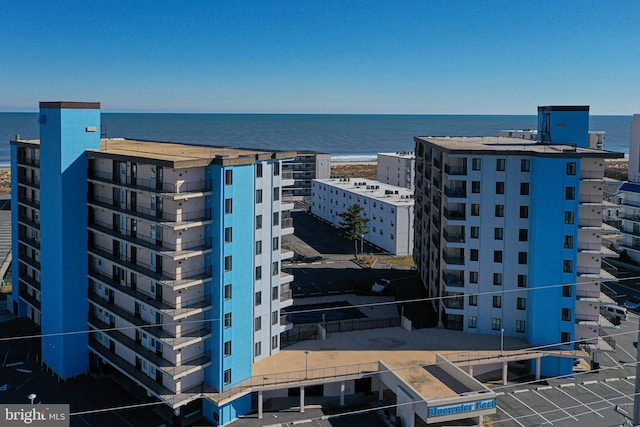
[(407, 57)]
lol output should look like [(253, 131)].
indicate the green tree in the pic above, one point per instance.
[(354, 225)]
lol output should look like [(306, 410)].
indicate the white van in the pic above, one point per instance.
[(614, 313)]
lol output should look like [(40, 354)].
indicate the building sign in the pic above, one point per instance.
[(440, 411)]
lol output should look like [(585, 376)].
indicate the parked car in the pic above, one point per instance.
[(380, 286), (633, 303), (614, 313)]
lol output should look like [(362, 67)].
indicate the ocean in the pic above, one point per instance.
[(347, 137)]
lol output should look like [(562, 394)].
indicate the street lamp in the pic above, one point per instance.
[(306, 364), (32, 397), (501, 340)]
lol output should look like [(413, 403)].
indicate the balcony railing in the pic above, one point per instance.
[(31, 281), (455, 170), (286, 223), (455, 192), (31, 299), (453, 259), (27, 259), (453, 237), (455, 214), (152, 185), (23, 179), (148, 241), (454, 280), (152, 215), (29, 161)]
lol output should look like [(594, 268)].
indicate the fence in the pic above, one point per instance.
[(309, 331)]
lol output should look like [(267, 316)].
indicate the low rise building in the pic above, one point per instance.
[(396, 169), (302, 169), (388, 208)]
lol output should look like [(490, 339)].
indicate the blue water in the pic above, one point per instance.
[(354, 137)]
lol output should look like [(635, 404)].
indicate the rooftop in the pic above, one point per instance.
[(401, 154), (514, 146), (399, 196)]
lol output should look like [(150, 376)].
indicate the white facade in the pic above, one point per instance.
[(389, 209), (634, 149), (397, 169), (519, 133)]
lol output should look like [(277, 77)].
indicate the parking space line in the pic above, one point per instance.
[(550, 401), (581, 403), (509, 415), (531, 409), (618, 391), (614, 360), (629, 382), (602, 398)]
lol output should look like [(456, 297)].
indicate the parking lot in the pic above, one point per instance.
[(588, 398)]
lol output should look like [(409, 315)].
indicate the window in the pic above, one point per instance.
[(227, 376), (274, 317), (258, 196), (473, 322), (227, 348), (276, 218), (475, 164), (276, 169), (522, 281), (257, 349), (258, 297), (258, 222), (566, 290), (473, 254), (566, 314), (473, 300), (497, 279), (473, 277), (228, 235), (259, 170), (274, 342), (259, 272), (522, 257), (499, 211), (475, 232), (496, 324), (257, 324), (497, 301), (497, 256), (521, 303), (275, 268), (523, 235), (568, 217), (568, 242), (500, 164), (227, 320), (227, 291), (524, 188), (500, 187), (475, 209), (276, 194), (570, 193), (275, 293), (520, 326), (524, 211), (475, 186), (498, 233), (565, 337), (228, 263), (228, 206), (275, 243), (525, 165), (571, 168), (228, 177), (258, 247), (567, 266)]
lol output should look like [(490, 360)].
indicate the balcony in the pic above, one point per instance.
[(457, 192), (453, 259), (171, 339), (456, 169), (29, 182), (167, 189), (27, 259), (29, 161), (28, 240), (595, 249), (28, 221), (27, 201), (160, 217), (454, 300), (167, 248), (31, 281), (453, 237), (455, 215), (175, 311), (165, 277), (453, 278), (29, 298)]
